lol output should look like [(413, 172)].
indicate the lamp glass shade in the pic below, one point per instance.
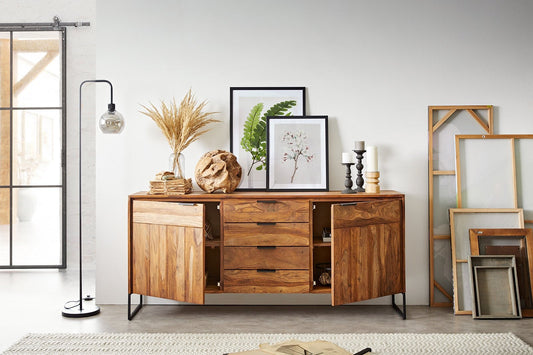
[(111, 122)]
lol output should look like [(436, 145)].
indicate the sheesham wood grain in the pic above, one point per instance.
[(266, 210), (170, 214), (280, 281), (368, 259), (367, 213), (168, 262), (277, 258), (280, 234)]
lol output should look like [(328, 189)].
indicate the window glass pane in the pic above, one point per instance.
[(37, 226), (5, 63), (37, 147), (4, 226), (5, 143), (37, 69)]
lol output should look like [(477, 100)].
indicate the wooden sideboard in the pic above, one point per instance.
[(266, 242)]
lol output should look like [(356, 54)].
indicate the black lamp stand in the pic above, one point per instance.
[(84, 309)]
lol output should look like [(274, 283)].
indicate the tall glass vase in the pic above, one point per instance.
[(177, 165)]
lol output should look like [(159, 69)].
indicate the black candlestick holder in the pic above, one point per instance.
[(348, 183), (359, 181)]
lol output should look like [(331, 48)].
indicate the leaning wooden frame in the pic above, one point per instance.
[(444, 123), (510, 241), (461, 221), (499, 164)]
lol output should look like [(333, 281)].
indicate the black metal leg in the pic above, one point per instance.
[(137, 309), (403, 313)]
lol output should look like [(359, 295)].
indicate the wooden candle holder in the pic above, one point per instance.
[(372, 182)]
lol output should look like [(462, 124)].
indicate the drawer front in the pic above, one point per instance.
[(266, 233), (266, 281), (266, 258), (266, 210)]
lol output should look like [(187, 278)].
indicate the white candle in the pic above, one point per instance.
[(347, 158), (359, 145), (372, 158)]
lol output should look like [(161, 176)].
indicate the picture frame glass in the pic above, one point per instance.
[(297, 154), (249, 108)]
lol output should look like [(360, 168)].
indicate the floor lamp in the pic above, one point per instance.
[(110, 122)]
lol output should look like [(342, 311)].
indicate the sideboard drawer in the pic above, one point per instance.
[(266, 233), (266, 257), (266, 210), (266, 281)]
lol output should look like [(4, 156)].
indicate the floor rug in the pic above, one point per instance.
[(194, 343)]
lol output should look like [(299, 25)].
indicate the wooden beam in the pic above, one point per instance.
[(444, 119), (34, 72), (443, 172), (513, 161), (443, 291), (36, 45), (441, 237), (461, 107), (479, 120)]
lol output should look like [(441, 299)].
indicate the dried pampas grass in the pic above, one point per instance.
[(181, 125)]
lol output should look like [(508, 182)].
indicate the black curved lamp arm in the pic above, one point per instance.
[(111, 105)]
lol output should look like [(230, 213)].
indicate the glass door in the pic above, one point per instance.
[(32, 148)]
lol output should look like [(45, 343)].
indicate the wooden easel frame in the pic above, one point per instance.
[(485, 127)]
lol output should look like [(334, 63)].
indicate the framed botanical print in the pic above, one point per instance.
[(249, 109), (297, 153)]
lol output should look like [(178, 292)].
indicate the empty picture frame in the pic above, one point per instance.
[(494, 287), (510, 241), (461, 221), (495, 171)]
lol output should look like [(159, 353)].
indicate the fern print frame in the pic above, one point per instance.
[(297, 153), (249, 109)]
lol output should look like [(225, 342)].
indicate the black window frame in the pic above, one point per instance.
[(63, 185)]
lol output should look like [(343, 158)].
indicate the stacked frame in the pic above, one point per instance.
[(495, 171), (444, 123), (461, 221), (517, 242)]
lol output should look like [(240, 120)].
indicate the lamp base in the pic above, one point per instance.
[(88, 310)]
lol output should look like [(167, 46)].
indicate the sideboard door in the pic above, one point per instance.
[(367, 250), (167, 250)]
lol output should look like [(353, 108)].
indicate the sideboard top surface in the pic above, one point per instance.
[(218, 196)]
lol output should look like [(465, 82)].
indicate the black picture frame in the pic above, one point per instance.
[(242, 100), (291, 139)]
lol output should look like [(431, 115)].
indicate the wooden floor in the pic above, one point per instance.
[(32, 302)]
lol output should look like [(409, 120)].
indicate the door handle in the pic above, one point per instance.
[(266, 270), (348, 204), (266, 223), (267, 201), (266, 247)]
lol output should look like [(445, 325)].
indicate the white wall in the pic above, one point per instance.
[(80, 66), (373, 66)]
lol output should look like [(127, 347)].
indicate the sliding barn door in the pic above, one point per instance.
[(367, 250), (167, 250)]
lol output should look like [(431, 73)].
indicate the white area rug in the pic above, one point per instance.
[(145, 343)]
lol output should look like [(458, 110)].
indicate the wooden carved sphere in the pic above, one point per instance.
[(218, 170)]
